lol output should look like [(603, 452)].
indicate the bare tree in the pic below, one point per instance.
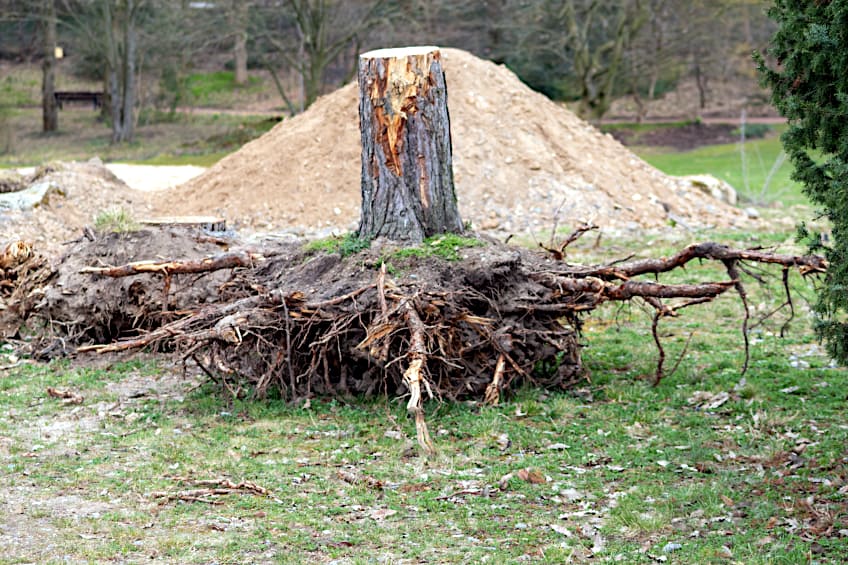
[(583, 39), (322, 31), (110, 27), (238, 19), (49, 112)]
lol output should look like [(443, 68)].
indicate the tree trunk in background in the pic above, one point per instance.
[(239, 22), (128, 125), (50, 114), (121, 44), (407, 171)]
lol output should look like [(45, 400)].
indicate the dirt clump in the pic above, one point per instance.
[(87, 308), (10, 181), (517, 155), (78, 192)]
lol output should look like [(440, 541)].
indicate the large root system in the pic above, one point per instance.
[(274, 319)]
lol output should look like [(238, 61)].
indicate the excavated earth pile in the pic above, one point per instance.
[(518, 158), (71, 195)]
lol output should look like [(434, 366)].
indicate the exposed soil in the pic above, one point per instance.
[(87, 309), (517, 157), (476, 310), (79, 192), (680, 138)]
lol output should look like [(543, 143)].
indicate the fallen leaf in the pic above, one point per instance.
[(671, 547), (571, 494), (558, 447), (727, 500), (414, 487), (503, 442), (504, 481), (598, 542), (533, 476), (561, 530), (68, 396)]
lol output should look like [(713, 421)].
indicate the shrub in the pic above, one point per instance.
[(810, 87)]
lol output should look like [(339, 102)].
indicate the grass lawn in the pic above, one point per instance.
[(197, 139), (763, 180), (708, 467)]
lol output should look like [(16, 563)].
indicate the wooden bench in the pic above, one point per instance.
[(93, 98)]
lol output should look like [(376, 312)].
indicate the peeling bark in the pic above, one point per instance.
[(407, 170)]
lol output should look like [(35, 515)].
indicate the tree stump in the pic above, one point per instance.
[(407, 170)]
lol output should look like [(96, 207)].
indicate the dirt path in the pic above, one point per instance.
[(147, 178)]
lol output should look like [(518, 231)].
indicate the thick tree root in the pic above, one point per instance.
[(299, 325)]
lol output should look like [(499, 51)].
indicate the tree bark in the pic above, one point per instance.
[(50, 114), (407, 171), (239, 13), (128, 74), (128, 86)]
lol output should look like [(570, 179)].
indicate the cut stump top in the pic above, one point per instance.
[(398, 52)]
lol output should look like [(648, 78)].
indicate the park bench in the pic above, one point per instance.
[(94, 98)]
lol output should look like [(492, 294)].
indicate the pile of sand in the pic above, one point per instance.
[(517, 157)]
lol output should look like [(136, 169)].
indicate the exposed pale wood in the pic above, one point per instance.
[(210, 223), (13, 254)]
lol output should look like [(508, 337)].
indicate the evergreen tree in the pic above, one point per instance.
[(809, 83)]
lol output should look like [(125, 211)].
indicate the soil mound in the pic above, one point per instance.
[(518, 157), (87, 308), (77, 193)]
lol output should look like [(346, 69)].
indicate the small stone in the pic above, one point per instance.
[(670, 547), (558, 447), (752, 213)]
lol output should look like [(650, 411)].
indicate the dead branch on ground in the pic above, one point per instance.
[(217, 262), (209, 489)]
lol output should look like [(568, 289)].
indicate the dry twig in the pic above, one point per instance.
[(209, 488), (69, 397)]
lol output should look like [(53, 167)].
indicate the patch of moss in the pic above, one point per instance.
[(446, 246), (346, 245)]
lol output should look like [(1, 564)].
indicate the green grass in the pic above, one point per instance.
[(18, 91), (345, 245), (190, 140), (218, 89), (204, 160), (725, 162), (643, 466), (115, 220)]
